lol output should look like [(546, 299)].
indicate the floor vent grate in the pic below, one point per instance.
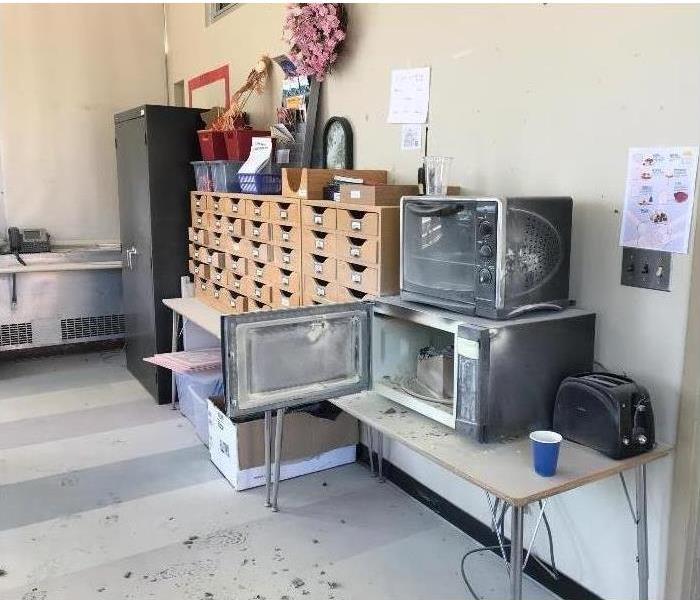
[(14, 334), (89, 327)]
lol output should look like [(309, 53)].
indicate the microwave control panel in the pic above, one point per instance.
[(486, 247)]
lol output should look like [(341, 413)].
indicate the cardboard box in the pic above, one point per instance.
[(376, 195), (309, 444), (309, 183)]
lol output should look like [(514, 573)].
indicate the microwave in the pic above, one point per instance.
[(495, 379), (493, 257)]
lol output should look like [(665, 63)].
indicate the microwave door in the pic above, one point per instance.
[(438, 241), (292, 357)]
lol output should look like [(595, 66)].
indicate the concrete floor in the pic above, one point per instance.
[(105, 495)]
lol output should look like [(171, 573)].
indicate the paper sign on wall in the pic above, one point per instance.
[(411, 135), (410, 95), (659, 197)]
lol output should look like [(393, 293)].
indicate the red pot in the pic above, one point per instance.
[(212, 144)]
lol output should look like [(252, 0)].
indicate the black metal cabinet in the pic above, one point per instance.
[(154, 146)]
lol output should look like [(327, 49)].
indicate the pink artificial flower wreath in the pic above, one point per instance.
[(315, 33)]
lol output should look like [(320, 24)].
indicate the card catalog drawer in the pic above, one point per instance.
[(193, 251), (358, 277), (217, 241), (319, 216), (233, 207), (286, 235), (259, 251), (218, 260), (258, 210), (256, 306), (261, 292), (201, 289), (288, 258), (234, 302), (191, 234), (204, 255), (359, 221), (199, 202), (232, 226), (285, 299), (199, 269), (319, 242), (319, 266), (215, 203), (344, 294), (216, 294), (283, 279), (236, 264), (257, 270), (285, 212), (352, 248), (236, 245), (258, 230), (234, 281), (317, 290), (200, 219)]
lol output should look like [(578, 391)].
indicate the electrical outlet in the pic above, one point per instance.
[(650, 269)]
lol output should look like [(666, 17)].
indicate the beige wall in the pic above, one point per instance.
[(64, 71), (529, 100)]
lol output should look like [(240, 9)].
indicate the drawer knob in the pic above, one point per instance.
[(318, 268), (256, 231), (285, 236), (285, 280), (259, 272), (356, 225), (283, 214), (319, 244), (256, 252), (320, 291), (318, 220), (285, 258), (357, 277), (354, 251)]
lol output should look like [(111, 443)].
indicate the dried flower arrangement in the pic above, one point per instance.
[(255, 83), (315, 33)]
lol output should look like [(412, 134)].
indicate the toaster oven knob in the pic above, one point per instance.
[(485, 276), (642, 440), (625, 441), (486, 251)]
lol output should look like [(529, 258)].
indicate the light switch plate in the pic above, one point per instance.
[(649, 269)]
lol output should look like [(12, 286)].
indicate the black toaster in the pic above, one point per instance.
[(607, 412)]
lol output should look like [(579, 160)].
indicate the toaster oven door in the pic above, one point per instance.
[(438, 248), (292, 357)]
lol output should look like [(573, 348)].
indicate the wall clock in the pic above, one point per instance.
[(337, 144)]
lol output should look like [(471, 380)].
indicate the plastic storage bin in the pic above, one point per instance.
[(223, 174), (260, 183), (203, 176), (212, 144), (193, 392), (239, 141)]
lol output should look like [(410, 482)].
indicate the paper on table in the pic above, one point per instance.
[(659, 197), (411, 135), (260, 153), (410, 95)]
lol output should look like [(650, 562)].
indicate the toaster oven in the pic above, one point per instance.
[(495, 379), (493, 257)]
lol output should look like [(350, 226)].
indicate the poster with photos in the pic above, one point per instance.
[(659, 197)]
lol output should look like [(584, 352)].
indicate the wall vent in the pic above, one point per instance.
[(90, 327), (14, 334)]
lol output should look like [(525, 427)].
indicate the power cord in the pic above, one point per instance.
[(500, 524)]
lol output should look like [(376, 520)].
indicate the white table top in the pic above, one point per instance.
[(503, 469), (196, 311), (68, 266)]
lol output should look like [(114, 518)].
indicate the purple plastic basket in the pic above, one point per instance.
[(260, 183)]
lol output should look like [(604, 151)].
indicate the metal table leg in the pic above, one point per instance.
[(516, 553), (278, 457), (380, 455), (268, 457), (370, 436), (173, 346), (642, 532)]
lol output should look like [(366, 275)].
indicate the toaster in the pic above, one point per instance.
[(607, 412)]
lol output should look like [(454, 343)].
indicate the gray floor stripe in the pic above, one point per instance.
[(70, 493), (81, 422)]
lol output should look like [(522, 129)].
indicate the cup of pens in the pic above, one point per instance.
[(437, 173), (545, 452)]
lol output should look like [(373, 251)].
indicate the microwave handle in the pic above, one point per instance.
[(426, 209)]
